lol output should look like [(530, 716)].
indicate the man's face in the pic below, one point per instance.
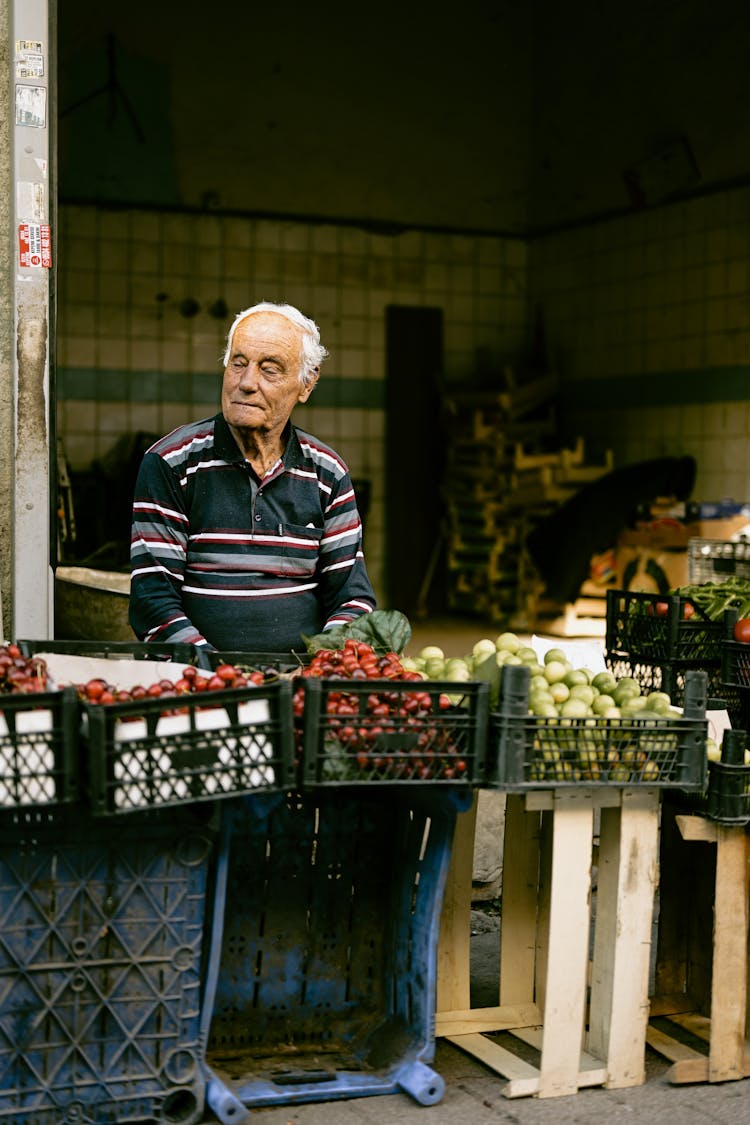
[(261, 380)]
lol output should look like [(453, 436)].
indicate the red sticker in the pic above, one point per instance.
[(35, 245)]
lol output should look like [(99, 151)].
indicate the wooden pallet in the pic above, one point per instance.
[(544, 966), (702, 964)]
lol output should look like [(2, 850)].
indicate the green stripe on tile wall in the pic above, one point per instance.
[(658, 388), (111, 385)]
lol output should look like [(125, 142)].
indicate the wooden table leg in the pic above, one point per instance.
[(626, 887)]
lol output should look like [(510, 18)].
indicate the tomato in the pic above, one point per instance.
[(742, 630), (688, 611)]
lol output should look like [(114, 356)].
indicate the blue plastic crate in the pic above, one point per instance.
[(322, 976), (101, 948)]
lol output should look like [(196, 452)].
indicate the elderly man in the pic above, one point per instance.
[(246, 533)]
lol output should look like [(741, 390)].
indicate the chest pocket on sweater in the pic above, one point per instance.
[(299, 549)]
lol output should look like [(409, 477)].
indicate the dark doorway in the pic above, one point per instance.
[(414, 450)]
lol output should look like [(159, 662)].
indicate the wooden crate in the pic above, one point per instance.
[(702, 950), (550, 981)]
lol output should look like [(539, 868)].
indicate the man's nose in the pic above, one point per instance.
[(249, 377)]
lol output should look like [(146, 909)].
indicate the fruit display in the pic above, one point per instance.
[(37, 734), (190, 681), (570, 724), (364, 717), (20, 674)]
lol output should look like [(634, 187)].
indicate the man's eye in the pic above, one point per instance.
[(270, 369)]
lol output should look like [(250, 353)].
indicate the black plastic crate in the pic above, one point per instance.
[(201, 746), (668, 677), (101, 968), (728, 797), (113, 650), (735, 663), (531, 752), (392, 732), (39, 749), (649, 638), (323, 970), (267, 662), (653, 629), (715, 560)]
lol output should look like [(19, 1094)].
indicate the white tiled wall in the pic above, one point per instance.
[(124, 274), (654, 293)]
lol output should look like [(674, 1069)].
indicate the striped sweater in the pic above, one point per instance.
[(221, 558)]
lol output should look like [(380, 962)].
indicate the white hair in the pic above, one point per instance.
[(313, 352)]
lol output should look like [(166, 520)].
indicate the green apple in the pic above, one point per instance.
[(574, 709), (604, 682), (457, 669), (559, 691), (555, 654), (555, 671), (602, 704), (507, 642), (431, 652), (658, 701), (584, 692), (483, 648), (542, 707), (713, 750), (633, 705)]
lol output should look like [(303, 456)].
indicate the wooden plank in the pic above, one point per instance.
[(543, 800), (589, 1067), (697, 828), (454, 943), (729, 975), (675, 880), (523, 1075), (673, 1049), (672, 1003), (487, 1019), (619, 1007), (520, 890), (567, 950), (542, 909), (697, 1025)]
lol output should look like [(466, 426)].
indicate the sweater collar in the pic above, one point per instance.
[(228, 450)]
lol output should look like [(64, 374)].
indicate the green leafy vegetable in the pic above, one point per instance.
[(387, 630), (712, 598)]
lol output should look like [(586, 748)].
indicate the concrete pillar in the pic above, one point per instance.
[(26, 402), (7, 321)]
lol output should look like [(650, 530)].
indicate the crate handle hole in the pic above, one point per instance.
[(178, 1107)]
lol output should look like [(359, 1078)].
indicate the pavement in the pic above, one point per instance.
[(474, 1094)]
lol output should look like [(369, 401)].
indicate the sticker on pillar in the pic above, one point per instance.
[(30, 201), (31, 106), (35, 245), (29, 59)]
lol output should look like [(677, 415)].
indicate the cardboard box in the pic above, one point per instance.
[(654, 557)]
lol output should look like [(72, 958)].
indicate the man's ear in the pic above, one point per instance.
[(307, 390)]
